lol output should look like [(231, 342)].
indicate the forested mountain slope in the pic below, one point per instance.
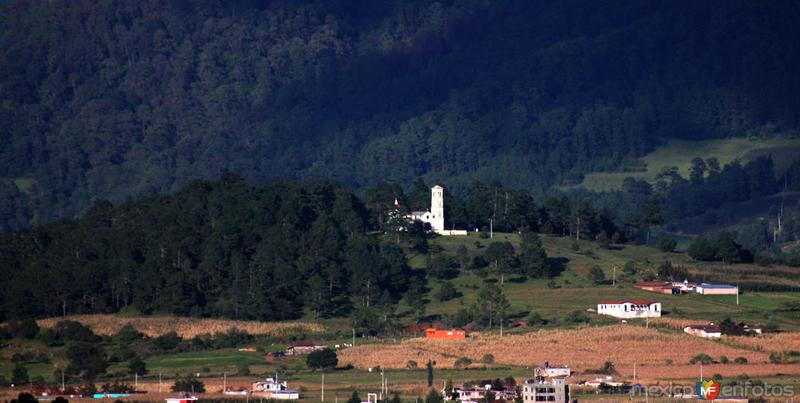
[(119, 99)]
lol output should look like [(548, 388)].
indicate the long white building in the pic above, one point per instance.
[(716, 289), (630, 309)]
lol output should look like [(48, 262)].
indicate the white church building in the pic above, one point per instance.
[(435, 217)]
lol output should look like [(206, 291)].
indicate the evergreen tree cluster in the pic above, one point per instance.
[(121, 99), (720, 248), (223, 248), (709, 186)]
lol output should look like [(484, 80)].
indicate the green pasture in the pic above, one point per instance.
[(679, 153)]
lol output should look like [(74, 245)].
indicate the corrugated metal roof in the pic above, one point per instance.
[(706, 285)]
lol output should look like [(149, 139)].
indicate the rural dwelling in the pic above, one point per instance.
[(473, 395), (304, 347), (716, 289), (661, 287), (630, 309), (272, 389), (684, 287), (451, 334), (706, 331), (552, 372)]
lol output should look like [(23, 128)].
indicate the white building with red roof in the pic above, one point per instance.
[(630, 309)]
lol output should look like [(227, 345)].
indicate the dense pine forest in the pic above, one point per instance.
[(234, 249), (118, 100)]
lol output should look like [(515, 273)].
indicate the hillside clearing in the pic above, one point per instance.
[(679, 153)]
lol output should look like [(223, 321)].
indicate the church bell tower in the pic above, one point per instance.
[(437, 208)]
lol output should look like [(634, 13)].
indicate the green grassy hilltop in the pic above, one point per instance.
[(679, 153)]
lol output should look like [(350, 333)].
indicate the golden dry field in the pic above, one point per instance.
[(775, 342), (657, 354), (185, 327)]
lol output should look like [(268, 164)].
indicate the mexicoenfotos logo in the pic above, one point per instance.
[(707, 390)]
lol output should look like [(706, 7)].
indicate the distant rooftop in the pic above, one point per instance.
[(632, 301), (706, 285)]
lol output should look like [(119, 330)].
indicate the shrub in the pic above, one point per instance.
[(724, 360), (70, 330), (19, 375), (137, 366), (596, 275), (535, 319), (740, 360), (434, 397), (447, 292), (576, 316), (322, 359), (28, 329), (242, 370), (667, 244), (463, 362), (411, 364), (775, 358), (488, 359), (702, 358), (607, 368), (167, 341), (189, 384), (127, 334), (630, 268)]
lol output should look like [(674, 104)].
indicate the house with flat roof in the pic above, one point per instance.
[(630, 309), (716, 289)]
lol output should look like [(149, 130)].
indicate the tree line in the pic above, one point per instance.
[(230, 248)]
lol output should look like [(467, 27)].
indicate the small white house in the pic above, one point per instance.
[(273, 389), (716, 289), (705, 331), (630, 309), (270, 385)]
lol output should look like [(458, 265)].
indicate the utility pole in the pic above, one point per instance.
[(225, 381), (135, 380), (354, 338), (737, 294), (63, 387), (491, 228), (323, 387), (159, 382), (614, 282)]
